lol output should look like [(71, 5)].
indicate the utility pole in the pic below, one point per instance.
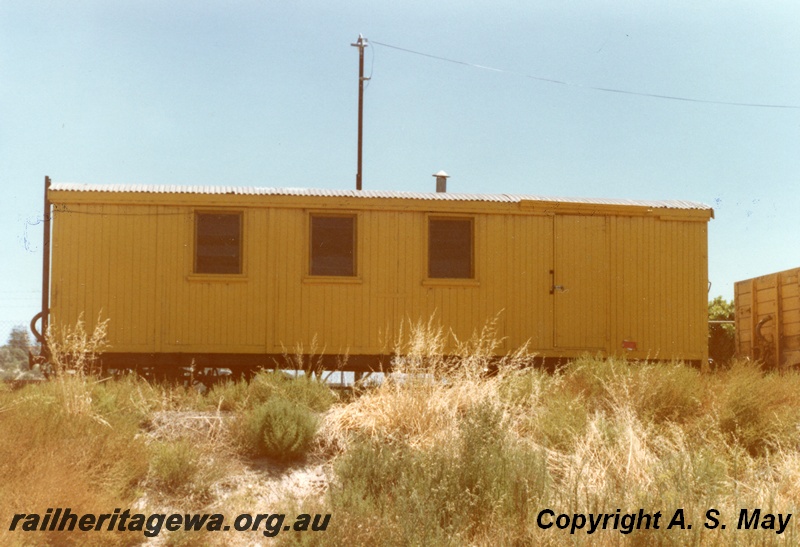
[(361, 43)]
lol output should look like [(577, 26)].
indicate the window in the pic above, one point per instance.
[(218, 243), (450, 248), (333, 245)]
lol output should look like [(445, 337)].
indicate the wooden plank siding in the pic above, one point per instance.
[(629, 274), (777, 296)]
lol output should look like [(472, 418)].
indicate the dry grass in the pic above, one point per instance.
[(439, 454), (73, 357), (96, 444), (53, 456), (420, 403), (597, 435)]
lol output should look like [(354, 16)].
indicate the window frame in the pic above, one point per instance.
[(194, 273), (354, 277), (472, 280)]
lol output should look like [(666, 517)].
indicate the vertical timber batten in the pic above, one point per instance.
[(46, 267), (778, 317)]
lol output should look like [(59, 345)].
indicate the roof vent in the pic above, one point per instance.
[(441, 181)]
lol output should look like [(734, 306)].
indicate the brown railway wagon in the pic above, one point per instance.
[(768, 318), (240, 276)]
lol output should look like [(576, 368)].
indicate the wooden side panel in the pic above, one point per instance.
[(513, 255), (529, 304), (658, 288), (581, 283), (743, 308), (64, 229), (775, 296), (791, 317), (632, 278), (206, 312), (791, 309), (104, 266), (336, 315)]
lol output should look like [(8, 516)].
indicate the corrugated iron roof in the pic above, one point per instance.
[(365, 194)]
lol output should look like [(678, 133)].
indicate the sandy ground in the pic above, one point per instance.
[(240, 485)]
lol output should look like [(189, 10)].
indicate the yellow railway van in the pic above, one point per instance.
[(241, 277), (768, 318)]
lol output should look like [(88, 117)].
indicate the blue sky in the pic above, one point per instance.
[(265, 94)]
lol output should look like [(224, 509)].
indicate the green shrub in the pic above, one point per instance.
[(279, 428), (51, 456), (561, 420), (228, 395), (494, 475), (760, 412), (659, 392), (603, 383), (444, 495), (127, 398), (304, 390), (242, 394), (544, 407), (482, 447), (525, 388), (174, 466), (667, 392), (721, 337)]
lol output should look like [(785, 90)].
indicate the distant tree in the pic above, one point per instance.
[(19, 339), (14, 354), (721, 337), (12, 362)]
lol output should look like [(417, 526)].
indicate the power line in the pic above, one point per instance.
[(593, 88)]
